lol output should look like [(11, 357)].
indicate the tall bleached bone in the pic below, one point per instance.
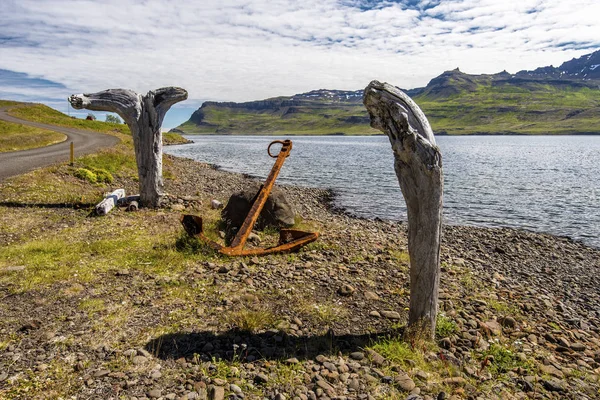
[(144, 115), (418, 165)]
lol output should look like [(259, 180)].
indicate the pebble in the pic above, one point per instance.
[(235, 389), (376, 357), (261, 378), (371, 296), (31, 326), (550, 370), (216, 392), (508, 322), (404, 382), (139, 360), (554, 385), (101, 373), (346, 290), (579, 347), (390, 314), (455, 380)]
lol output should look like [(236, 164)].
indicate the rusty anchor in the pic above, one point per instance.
[(289, 239)]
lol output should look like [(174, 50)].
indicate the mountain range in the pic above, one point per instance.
[(547, 100)]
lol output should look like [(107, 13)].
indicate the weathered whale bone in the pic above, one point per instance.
[(418, 165), (144, 115)]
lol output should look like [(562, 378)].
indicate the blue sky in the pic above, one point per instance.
[(235, 50)]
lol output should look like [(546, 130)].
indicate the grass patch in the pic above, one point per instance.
[(16, 137), (172, 138), (499, 360), (250, 320), (117, 160), (503, 308), (8, 103), (400, 256), (326, 314), (92, 306), (410, 358), (445, 326), (57, 381), (95, 175), (82, 253), (399, 352)]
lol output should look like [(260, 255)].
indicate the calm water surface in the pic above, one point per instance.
[(544, 183)]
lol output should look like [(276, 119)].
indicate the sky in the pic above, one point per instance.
[(236, 50)]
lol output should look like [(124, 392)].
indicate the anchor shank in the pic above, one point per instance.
[(242, 236)]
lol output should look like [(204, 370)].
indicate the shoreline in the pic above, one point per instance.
[(342, 210), (497, 241)]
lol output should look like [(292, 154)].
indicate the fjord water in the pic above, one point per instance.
[(545, 184)]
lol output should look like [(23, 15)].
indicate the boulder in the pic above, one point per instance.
[(277, 211)]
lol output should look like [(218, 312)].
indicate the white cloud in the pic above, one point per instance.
[(246, 50)]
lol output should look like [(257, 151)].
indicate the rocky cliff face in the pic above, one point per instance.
[(584, 68)]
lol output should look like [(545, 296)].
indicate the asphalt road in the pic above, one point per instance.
[(19, 162)]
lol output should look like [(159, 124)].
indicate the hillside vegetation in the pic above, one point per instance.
[(564, 100), (14, 137), (32, 137), (465, 104)]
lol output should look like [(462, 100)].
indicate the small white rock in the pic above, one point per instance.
[(216, 204)]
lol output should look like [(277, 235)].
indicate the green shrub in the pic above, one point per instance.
[(102, 175), (86, 175)]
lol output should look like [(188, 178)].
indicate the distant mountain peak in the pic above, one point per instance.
[(328, 94), (586, 67)]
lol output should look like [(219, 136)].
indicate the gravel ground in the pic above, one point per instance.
[(534, 296)]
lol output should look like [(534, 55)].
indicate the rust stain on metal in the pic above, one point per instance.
[(289, 239)]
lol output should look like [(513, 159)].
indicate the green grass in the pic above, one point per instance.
[(170, 138), (400, 353), (47, 115), (445, 327), (250, 320), (500, 360), (51, 258), (503, 308), (7, 103), (14, 137), (117, 160)]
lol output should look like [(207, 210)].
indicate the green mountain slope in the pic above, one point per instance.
[(318, 112), (548, 100), (467, 104)]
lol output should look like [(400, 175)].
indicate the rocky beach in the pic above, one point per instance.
[(519, 311)]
